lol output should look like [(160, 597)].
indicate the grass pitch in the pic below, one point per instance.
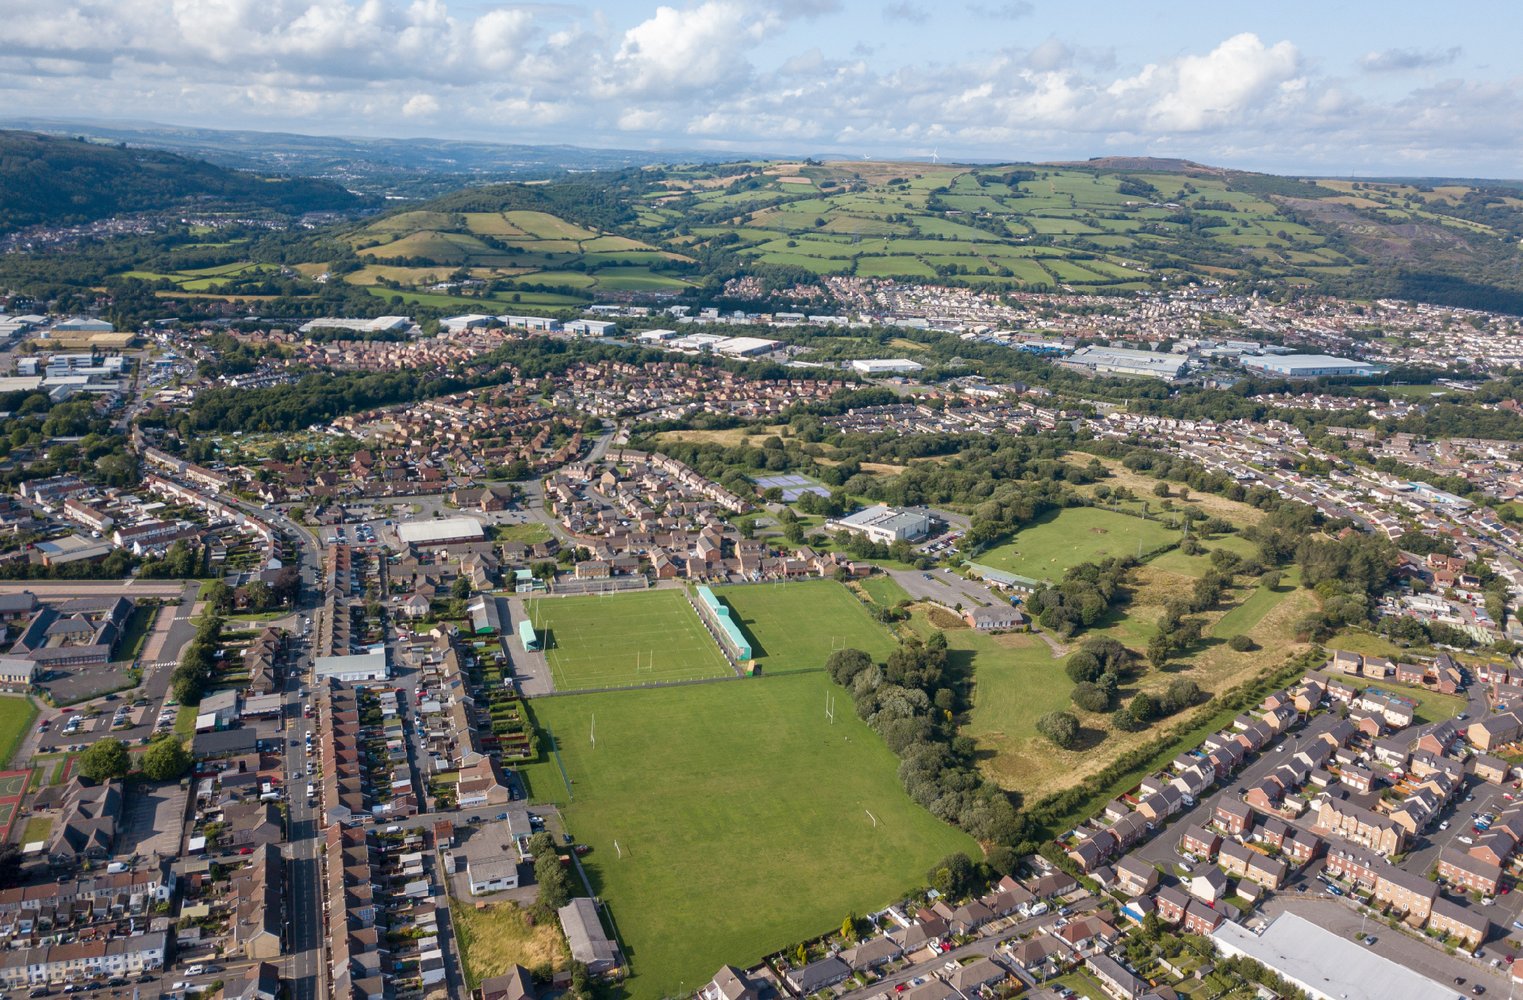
[(1053, 543), (16, 717), (742, 815), (798, 625), (632, 638)]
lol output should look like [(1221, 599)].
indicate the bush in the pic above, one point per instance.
[(1059, 727), (1091, 697), (1242, 643)]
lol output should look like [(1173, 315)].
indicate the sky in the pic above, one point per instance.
[(1329, 88)]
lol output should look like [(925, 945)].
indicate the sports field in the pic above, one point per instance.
[(1049, 546), (742, 814), (794, 625), (632, 638), (16, 717)]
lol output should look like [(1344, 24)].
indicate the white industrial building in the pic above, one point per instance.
[(885, 366), (440, 531), (1307, 366), (381, 324), (745, 347), (885, 524), (590, 328), (354, 668), (1327, 966), (1126, 361)]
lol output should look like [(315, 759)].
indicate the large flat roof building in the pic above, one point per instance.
[(353, 668), (1306, 365), (885, 366), (440, 531), (1126, 361), (1327, 966), (885, 524)]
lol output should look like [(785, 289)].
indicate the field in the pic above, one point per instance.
[(631, 638), (1057, 541), (497, 936), (742, 815), (1017, 678), (16, 717), (797, 625)]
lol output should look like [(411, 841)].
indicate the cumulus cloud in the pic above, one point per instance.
[(1194, 92), (1405, 60), (746, 74)]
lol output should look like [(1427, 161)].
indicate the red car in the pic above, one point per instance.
[(245, 850)]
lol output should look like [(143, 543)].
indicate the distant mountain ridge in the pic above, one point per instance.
[(48, 180)]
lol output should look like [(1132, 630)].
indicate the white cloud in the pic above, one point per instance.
[(754, 74), (421, 106), (1218, 87)]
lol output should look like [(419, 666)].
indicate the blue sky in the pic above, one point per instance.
[(1286, 87)]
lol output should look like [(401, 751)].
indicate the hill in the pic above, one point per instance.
[(412, 168), (47, 180), (1105, 226)]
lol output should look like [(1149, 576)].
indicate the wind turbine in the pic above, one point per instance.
[(935, 156)]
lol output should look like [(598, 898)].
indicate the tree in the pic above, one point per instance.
[(165, 759), (461, 588), (1059, 727), (952, 876), (220, 597), (258, 595), (1161, 490), (107, 758), (1241, 642), (849, 927)]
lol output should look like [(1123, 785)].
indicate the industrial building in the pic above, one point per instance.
[(885, 524), (353, 668), (885, 366), (1125, 361), (1327, 966), (1306, 366), (442, 531)]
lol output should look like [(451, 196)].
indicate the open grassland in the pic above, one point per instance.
[(1049, 546), (1233, 511), (1017, 679), (742, 814), (496, 936), (603, 640), (798, 625)]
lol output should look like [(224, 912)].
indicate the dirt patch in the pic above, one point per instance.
[(942, 618), (882, 468)]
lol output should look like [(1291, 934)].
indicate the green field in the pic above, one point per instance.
[(797, 625), (742, 814), (885, 590), (632, 638), (1055, 542), (16, 717)]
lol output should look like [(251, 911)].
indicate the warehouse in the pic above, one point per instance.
[(746, 347), (1307, 366), (1125, 361), (885, 366), (1327, 966), (354, 668), (885, 524), (442, 531)]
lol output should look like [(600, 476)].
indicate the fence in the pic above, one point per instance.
[(605, 585)]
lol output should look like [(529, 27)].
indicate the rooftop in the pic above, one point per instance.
[(1325, 964)]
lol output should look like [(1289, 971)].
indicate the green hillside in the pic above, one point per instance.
[(48, 180), (1105, 226)]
